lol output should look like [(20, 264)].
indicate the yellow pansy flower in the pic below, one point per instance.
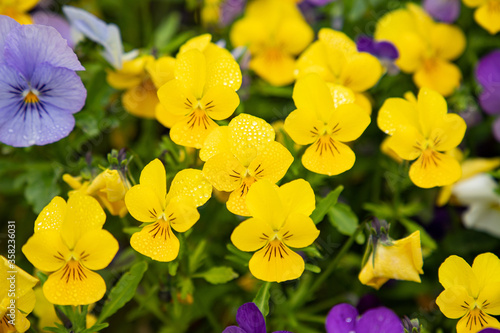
[(141, 78), (424, 131), (426, 48), (326, 117), (240, 154), (487, 14), (70, 244), (400, 260), (109, 188), (335, 57), (18, 9), (274, 32), (471, 293), (204, 88), (150, 203), (17, 298), (280, 220)]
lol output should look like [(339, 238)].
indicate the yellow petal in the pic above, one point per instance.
[(236, 202), (474, 3), (191, 131), (223, 72), (141, 100), (469, 324), (251, 235), (348, 122), (182, 214), (488, 16), (274, 66), (341, 95), (303, 126), (156, 241), (143, 203), (216, 142), (176, 99), (439, 75), (96, 249), (24, 281), (297, 197), (328, 157), (191, 71), (272, 162), (131, 74), (220, 102), (249, 32), (456, 272), (276, 263), (315, 59), (474, 166), (46, 250), (387, 150), (153, 176), (434, 169), (224, 171), (397, 113), (74, 285), (190, 184), (22, 323), (406, 143), (486, 268), (362, 71), (432, 110), (453, 302), (264, 203), (294, 34), (52, 216), (448, 41), (449, 133), (199, 43), (44, 310), (161, 70), (166, 118), (364, 102), (298, 231), (83, 214), (312, 94)]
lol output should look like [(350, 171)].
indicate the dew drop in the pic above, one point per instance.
[(348, 319)]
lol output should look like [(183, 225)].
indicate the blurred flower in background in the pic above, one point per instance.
[(57, 22), (487, 14), (488, 76), (385, 51), (18, 9), (443, 10)]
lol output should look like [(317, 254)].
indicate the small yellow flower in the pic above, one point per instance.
[(70, 244), (471, 294), (240, 154), (18, 9), (487, 14), (210, 12), (150, 203), (326, 117), (274, 32), (204, 88), (426, 48), (334, 56), (141, 79), (17, 298), (401, 260), (280, 219), (424, 131), (109, 188)]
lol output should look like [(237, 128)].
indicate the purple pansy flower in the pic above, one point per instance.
[(488, 76), (385, 51), (443, 10), (230, 10), (55, 21), (489, 330), (39, 89), (250, 320), (343, 318)]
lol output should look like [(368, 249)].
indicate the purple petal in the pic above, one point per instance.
[(230, 10), (55, 21), (319, 2), (6, 25), (379, 320), (365, 44), (490, 99), (386, 50), (488, 69), (443, 10), (489, 330), (496, 129), (10, 78), (250, 318), (282, 332), (27, 46), (341, 319), (233, 329)]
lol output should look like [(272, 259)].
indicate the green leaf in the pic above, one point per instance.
[(324, 204), (219, 275), (96, 328), (167, 29), (262, 298), (123, 291), (197, 256), (313, 268), (343, 219), (425, 238)]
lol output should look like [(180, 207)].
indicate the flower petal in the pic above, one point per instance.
[(190, 183), (223, 72), (298, 231), (220, 102), (315, 59), (96, 249), (486, 267), (361, 72), (224, 171), (251, 234), (143, 203), (250, 319), (272, 162), (46, 250), (448, 41), (74, 285), (432, 110), (488, 69), (274, 66), (348, 122), (439, 75), (216, 142), (448, 134), (294, 33), (182, 214), (161, 70), (379, 319), (192, 131), (264, 203), (141, 100), (406, 143), (236, 202), (453, 302), (297, 197), (435, 169), (489, 100), (456, 272), (166, 118), (176, 99), (52, 216), (312, 94), (328, 157), (156, 241), (6, 25), (341, 319), (191, 71), (303, 126), (488, 17), (397, 113), (276, 263), (472, 323), (483, 217)]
